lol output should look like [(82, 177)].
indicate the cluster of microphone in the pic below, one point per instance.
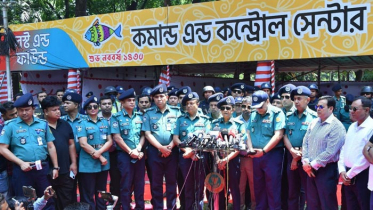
[(216, 140)]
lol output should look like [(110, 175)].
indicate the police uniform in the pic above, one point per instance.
[(214, 98), (132, 170), (344, 113), (339, 102), (193, 178), (160, 125), (204, 105), (93, 174), (233, 166), (295, 130), (28, 143), (312, 104), (267, 169), (237, 100)]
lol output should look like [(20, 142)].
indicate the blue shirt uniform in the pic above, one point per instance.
[(128, 127), (74, 124), (262, 128), (161, 124), (27, 142), (204, 105), (296, 127), (96, 134), (185, 125), (313, 103), (344, 117), (234, 124)]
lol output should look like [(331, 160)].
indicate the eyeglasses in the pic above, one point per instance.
[(92, 107), (245, 107), (353, 109), (225, 108), (319, 107), (283, 97), (237, 91)]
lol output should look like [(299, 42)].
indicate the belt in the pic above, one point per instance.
[(97, 146)]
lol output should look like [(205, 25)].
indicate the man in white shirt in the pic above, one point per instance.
[(352, 165)]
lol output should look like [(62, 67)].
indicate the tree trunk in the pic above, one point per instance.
[(67, 9), (167, 3), (80, 8)]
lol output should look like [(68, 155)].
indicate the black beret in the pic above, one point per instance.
[(92, 99), (336, 87), (183, 90), (159, 89), (188, 97), (215, 97), (74, 97), (240, 86), (130, 93), (229, 100), (286, 89), (24, 101)]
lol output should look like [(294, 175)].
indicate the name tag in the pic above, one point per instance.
[(89, 128), (291, 123), (305, 123), (138, 122), (124, 124), (266, 121), (21, 131)]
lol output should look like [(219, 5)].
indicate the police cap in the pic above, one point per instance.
[(183, 90), (130, 93), (24, 101), (188, 97), (300, 91), (313, 87), (215, 97), (90, 93), (238, 100), (336, 87), (259, 97), (265, 85), (240, 86), (74, 97), (286, 89), (172, 92), (229, 100), (159, 89), (92, 99)]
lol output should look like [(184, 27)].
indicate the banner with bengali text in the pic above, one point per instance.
[(212, 32)]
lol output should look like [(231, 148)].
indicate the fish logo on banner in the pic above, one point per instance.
[(100, 33)]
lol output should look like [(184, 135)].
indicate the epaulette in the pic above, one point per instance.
[(116, 114), (288, 114), (43, 120), (276, 109), (237, 121), (204, 116), (215, 121), (139, 113), (9, 121), (175, 107), (312, 112)]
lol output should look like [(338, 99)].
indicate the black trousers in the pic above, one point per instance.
[(64, 187), (115, 177), (358, 195)]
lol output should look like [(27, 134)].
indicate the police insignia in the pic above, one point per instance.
[(29, 102), (185, 91), (252, 130), (125, 132), (161, 89), (214, 182), (2, 132), (79, 128), (228, 100), (218, 98), (299, 91), (155, 126), (255, 99), (190, 95), (23, 140), (278, 119), (68, 97), (287, 89), (183, 133), (242, 87), (90, 136), (95, 99)]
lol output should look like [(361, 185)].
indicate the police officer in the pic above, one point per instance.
[(344, 114), (26, 141), (182, 92), (89, 94), (214, 112), (95, 141), (265, 129), (296, 127), (367, 92), (112, 92), (126, 131), (158, 123), (71, 101), (339, 99), (266, 87), (170, 88), (173, 100), (207, 91), (314, 97), (249, 90), (186, 125), (229, 163), (238, 89), (287, 103), (237, 106), (276, 101), (39, 111)]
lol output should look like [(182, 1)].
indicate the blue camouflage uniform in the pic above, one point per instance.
[(267, 169), (93, 175), (132, 170), (160, 125)]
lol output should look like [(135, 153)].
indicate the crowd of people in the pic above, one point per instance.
[(299, 146)]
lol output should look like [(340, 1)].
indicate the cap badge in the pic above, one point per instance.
[(68, 97), (185, 91), (287, 88), (217, 97), (161, 89), (242, 86), (255, 98), (95, 99), (299, 91), (29, 102), (228, 100), (190, 95)]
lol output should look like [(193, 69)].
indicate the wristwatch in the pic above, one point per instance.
[(58, 168)]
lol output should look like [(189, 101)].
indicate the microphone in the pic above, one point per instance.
[(191, 137)]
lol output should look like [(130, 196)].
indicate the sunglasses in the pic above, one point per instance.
[(237, 91), (353, 109), (285, 97), (225, 108), (92, 107), (245, 107), (319, 107)]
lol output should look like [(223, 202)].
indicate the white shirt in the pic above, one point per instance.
[(351, 153)]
